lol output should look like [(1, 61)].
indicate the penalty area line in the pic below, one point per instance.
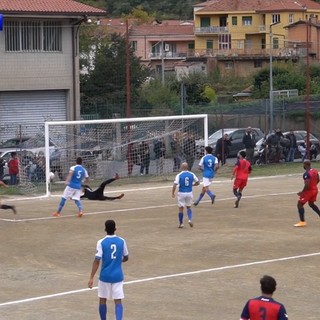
[(235, 266)]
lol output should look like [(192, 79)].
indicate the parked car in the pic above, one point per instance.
[(235, 135), (300, 136), (35, 144)]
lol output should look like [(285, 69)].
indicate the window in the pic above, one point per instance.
[(258, 64), (234, 21), (275, 18), (247, 21), (209, 44), (134, 45), (275, 44), (33, 36), (263, 43), (224, 41), (191, 45), (228, 65), (205, 22), (291, 18), (239, 44)]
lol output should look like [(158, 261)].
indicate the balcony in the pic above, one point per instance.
[(210, 30), (167, 55)]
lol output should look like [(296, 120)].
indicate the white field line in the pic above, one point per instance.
[(175, 275), (142, 208)]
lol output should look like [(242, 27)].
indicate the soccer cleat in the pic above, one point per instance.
[(212, 199), (196, 203), (14, 209), (181, 226), (116, 176), (190, 223), (80, 214), (121, 196), (56, 214), (300, 224), (236, 204)]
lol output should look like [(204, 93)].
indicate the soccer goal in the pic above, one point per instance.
[(148, 148)]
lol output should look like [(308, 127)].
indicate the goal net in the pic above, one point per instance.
[(145, 149)]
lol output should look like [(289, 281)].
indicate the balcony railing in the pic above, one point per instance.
[(233, 53), (168, 55), (210, 30)]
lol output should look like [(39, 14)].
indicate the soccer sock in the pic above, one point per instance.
[(61, 204), (315, 208), (181, 217), (6, 207), (235, 192), (103, 311), (200, 197), (189, 213), (78, 203), (239, 195), (210, 194), (301, 213), (119, 311)]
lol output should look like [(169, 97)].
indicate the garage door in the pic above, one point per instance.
[(24, 112)]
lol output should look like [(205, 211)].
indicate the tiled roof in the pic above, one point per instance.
[(158, 30), (258, 5), (48, 6)]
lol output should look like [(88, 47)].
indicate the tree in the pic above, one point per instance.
[(104, 86)]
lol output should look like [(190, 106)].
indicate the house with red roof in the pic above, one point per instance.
[(39, 62), (241, 34)]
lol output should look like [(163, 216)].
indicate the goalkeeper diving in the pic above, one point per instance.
[(98, 194)]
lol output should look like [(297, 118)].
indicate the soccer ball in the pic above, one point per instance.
[(51, 176)]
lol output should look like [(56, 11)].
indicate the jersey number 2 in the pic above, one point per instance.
[(114, 250)]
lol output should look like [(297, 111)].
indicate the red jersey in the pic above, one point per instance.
[(242, 169), (312, 176), (13, 165)]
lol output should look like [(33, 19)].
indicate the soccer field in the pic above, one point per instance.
[(206, 273)]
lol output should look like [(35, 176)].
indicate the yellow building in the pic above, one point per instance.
[(245, 27)]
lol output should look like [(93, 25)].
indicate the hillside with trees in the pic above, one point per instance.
[(164, 9)]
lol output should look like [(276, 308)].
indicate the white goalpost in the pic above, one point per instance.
[(148, 148)]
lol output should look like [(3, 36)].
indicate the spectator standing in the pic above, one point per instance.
[(265, 307), (303, 151), (189, 149), (144, 152), (222, 148), (2, 164), (55, 164), (249, 143), (160, 152), (112, 251), (176, 152), (13, 165), (292, 146)]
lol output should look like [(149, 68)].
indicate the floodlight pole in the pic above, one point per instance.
[(271, 75)]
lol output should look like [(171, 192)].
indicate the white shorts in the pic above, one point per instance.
[(185, 199), (70, 193), (110, 291), (207, 181)]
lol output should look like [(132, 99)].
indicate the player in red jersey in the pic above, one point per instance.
[(264, 307), (309, 192), (241, 171)]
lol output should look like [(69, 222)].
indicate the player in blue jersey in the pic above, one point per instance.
[(72, 191), (264, 307), (112, 251), (209, 165), (185, 180)]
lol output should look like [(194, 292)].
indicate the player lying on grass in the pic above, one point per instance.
[(98, 194), (5, 206)]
